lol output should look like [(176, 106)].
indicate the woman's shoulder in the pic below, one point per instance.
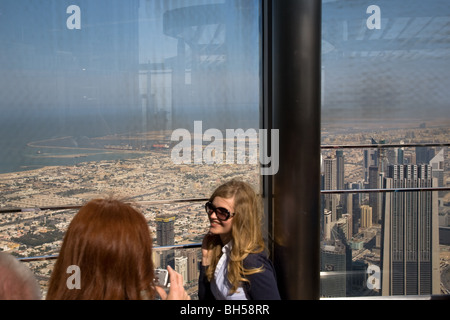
[(261, 285), (257, 260)]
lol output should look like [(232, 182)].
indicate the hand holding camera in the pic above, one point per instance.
[(162, 278), (170, 279)]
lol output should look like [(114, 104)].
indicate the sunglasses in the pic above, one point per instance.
[(221, 213)]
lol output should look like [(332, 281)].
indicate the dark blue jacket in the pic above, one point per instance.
[(261, 286)]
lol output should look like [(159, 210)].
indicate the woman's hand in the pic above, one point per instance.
[(176, 291)]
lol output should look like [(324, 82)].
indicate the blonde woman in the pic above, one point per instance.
[(234, 263)]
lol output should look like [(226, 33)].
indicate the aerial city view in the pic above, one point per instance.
[(135, 100), (38, 204)]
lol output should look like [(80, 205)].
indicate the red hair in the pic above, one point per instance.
[(111, 244)]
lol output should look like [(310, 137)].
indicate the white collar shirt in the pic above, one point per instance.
[(220, 286)]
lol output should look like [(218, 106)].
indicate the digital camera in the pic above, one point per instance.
[(162, 277)]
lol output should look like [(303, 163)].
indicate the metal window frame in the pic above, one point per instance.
[(291, 58)]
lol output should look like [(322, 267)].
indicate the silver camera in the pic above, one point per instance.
[(162, 277)]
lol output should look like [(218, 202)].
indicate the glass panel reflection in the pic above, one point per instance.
[(384, 82), (92, 93)]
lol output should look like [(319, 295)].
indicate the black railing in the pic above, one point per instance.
[(198, 245), (74, 207), (156, 248)]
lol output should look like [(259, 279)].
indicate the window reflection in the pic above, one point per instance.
[(90, 95), (92, 92), (383, 79)]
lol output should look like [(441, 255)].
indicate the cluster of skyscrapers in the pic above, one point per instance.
[(402, 226)]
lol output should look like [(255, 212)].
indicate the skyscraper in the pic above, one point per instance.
[(192, 265), (424, 155), (410, 250), (327, 224), (366, 216), (334, 266), (340, 170), (165, 235), (182, 268), (374, 197), (330, 183), (437, 164), (370, 159)]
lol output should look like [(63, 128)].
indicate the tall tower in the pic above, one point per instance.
[(370, 159), (192, 265), (424, 155), (366, 216), (181, 267), (340, 170), (330, 183), (374, 197), (410, 250), (165, 234), (438, 164)]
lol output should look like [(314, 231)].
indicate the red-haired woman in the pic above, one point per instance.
[(109, 241)]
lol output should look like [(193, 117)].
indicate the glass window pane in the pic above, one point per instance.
[(118, 97), (150, 100), (384, 80)]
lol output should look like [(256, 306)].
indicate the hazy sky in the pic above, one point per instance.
[(108, 56), (398, 68), (390, 59)]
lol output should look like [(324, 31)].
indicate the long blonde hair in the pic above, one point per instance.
[(245, 232)]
